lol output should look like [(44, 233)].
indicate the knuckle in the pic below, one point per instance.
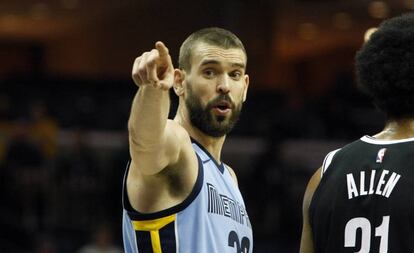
[(151, 61), (142, 71)]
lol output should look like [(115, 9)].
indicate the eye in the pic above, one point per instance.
[(236, 75), (209, 73)]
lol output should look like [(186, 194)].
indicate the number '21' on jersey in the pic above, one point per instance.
[(365, 200)]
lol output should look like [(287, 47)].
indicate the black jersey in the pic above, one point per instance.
[(365, 200)]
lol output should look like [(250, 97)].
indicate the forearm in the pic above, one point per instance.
[(149, 137), (148, 119)]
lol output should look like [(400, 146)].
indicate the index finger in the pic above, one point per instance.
[(162, 49)]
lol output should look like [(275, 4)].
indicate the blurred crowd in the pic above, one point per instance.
[(55, 198)]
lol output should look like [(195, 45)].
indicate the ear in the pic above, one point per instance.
[(179, 76), (246, 86)]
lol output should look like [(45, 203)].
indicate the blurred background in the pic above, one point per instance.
[(65, 95)]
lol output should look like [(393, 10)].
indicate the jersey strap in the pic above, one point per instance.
[(327, 161)]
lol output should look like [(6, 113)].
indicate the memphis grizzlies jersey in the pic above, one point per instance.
[(212, 219), (365, 200)]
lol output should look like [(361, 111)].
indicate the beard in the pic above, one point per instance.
[(205, 120)]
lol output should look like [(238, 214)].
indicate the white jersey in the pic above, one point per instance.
[(211, 219)]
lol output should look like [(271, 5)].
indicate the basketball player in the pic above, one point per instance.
[(178, 194), (362, 198)]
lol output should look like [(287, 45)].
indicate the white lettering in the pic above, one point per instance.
[(352, 188), (371, 182), (384, 186), (392, 181), (381, 182), (362, 184)]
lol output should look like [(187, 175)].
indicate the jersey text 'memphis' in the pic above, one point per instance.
[(223, 205)]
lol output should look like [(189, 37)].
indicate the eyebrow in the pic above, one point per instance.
[(207, 62)]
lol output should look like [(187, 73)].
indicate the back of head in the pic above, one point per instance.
[(212, 36), (385, 67)]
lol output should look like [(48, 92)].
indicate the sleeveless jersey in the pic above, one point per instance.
[(365, 200), (211, 219)]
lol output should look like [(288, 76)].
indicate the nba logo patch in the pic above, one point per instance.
[(380, 155)]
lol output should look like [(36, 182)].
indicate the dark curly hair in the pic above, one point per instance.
[(385, 67)]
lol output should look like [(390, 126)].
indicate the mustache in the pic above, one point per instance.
[(220, 98)]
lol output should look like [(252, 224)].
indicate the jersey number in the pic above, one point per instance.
[(362, 223), (241, 246)]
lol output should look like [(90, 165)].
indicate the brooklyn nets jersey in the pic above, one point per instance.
[(212, 219), (365, 200)]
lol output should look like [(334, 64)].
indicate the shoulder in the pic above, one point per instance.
[(311, 187), (180, 138), (232, 173), (328, 160), (173, 123), (177, 130), (348, 151), (306, 244)]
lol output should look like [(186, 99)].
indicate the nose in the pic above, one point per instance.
[(223, 85)]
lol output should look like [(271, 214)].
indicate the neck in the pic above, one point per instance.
[(212, 144), (397, 129)]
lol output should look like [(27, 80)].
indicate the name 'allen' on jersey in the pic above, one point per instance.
[(369, 184)]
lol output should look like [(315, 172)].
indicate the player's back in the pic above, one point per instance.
[(365, 200)]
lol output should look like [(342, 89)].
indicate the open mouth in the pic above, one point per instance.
[(222, 108), (223, 105)]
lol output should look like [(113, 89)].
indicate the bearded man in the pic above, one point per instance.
[(178, 195)]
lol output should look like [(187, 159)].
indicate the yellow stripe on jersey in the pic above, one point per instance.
[(155, 241), (153, 226)]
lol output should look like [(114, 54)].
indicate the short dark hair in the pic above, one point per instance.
[(212, 36), (385, 67)]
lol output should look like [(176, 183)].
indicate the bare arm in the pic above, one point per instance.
[(153, 146), (306, 244), (163, 166)]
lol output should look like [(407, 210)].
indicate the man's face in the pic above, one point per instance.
[(209, 119), (216, 88)]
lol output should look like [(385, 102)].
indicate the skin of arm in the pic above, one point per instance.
[(150, 140), (162, 164), (233, 175), (306, 244)]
